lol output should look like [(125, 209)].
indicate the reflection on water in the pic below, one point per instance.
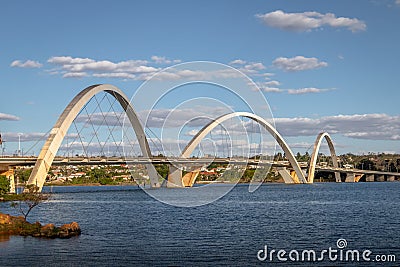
[(4, 238), (125, 226)]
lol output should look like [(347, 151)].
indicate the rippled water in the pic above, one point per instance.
[(124, 226)]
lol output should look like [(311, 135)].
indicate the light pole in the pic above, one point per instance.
[(19, 144), (66, 137)]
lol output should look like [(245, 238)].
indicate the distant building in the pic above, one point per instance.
[(348, 166)]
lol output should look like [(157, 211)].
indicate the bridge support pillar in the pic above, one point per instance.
[(153, 175), (390, 178), (357, 177), (370, 178), (174, 177), (350, 177), (337, 177), (189, 178), (380, 178), (286, 175)]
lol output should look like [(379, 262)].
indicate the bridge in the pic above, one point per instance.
[(31, 161), (351, 175), (292, 171)]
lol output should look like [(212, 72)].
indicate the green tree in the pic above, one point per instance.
[(29, 199), (107, 181), (97, 174), (4, 185), (23, 174), (163, 170)]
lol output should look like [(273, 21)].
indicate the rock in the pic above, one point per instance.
[(5, 218), (19, 226), (68, 230), (49, 230), (30, 229)]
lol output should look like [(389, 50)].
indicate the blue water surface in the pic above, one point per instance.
[(124, 226)]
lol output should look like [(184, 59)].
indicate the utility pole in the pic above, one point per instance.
[(66, 137), (19, 144), (1, 144)]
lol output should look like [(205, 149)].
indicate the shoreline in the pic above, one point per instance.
[(197, 183), (18, 225)]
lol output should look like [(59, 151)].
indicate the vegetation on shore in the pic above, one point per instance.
[(122, 175), (29, 199), (24, 203), (4, 185), (12, 225)]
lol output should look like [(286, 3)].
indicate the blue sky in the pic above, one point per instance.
[(322, 65)]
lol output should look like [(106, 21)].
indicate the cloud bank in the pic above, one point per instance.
[(358, 126), (307, 21), (298, 63), (26, 64), (8, 117)]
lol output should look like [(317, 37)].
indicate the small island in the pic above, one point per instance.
[(24, 203), (17, 225)]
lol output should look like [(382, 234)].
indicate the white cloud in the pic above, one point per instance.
[(252, 68), (8, 117), (267, 75), (75, 75), (192, 133), (122, 75), (272, 83), (104, 118), (192, 75), (69, 60), (307, 21), (197, 116), (158, 118), (24, 137), (307, 90), (358, 126), (298, 63), (75, 67), (237, 62), (270, 86), (71, 67), (271, 89), (26, 64), (398, 2), (164, 60)]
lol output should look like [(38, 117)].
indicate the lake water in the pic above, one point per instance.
[(124, 226)]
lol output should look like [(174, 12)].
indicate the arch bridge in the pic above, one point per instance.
[(60, 129), (175, 178)]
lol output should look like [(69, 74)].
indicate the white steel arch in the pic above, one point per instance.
[(314, 156), (209, 127), (60, 129)]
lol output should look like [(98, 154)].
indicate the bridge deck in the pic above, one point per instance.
[(30, 161)]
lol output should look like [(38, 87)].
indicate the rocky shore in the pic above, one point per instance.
[(11, 225)]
